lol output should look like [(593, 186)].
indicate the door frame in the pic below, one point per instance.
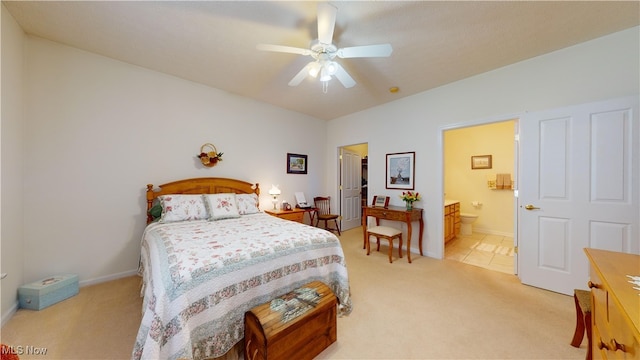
[(479, 122), (351, 214), (340, 166)]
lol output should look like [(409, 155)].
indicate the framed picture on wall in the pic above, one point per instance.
[(481, 162), (400, 173), (296, 164)]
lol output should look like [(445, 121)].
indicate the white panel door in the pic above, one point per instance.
[(578, 188), (351, 180)]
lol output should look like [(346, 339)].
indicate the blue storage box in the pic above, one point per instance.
[(46, 292)]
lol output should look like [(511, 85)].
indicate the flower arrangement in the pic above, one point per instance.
[(209, 158), (409, 198)]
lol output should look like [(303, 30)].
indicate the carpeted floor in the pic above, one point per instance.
[(430, 309)]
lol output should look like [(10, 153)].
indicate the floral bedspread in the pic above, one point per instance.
[(200, 277)]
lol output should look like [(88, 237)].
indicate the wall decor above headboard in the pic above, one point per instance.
[(209, 155)]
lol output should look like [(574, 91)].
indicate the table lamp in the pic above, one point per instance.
[(274, 191)]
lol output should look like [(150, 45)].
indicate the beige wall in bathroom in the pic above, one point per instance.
[(462, 183)]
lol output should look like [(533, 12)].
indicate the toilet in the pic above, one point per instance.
[(466, 220)]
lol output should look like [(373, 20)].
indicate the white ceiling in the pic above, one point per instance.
[(214, 42)]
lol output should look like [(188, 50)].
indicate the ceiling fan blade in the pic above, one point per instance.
[(285, 49), (342, 76), (326, 22), (301, 75), (382, 50)]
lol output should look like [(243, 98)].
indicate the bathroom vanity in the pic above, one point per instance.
[(451, 219)]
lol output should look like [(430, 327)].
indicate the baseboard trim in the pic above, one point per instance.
[(9, 314), (492, 232), (102, 279)]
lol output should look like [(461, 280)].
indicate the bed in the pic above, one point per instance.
[(203, 269)]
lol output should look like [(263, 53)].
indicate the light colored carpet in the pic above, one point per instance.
[(430, 309)]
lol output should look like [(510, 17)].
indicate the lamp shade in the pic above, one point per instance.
[(274, 190), (324, 74)]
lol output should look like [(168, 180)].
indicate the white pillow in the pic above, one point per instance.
[(221, 206), (247, 204), (182, 208)]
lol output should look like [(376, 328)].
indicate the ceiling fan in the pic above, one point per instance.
[(323, 52)]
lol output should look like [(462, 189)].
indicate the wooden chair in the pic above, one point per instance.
[(582, 299), (323, 212), (385, 232)]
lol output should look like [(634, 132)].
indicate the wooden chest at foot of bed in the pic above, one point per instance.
[(298, 325), (40, 294)]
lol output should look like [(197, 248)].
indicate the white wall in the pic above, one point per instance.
[(599, 69), (12, 146), (98, 130)]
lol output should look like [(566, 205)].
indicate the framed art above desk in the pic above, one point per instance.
[(400, 170)]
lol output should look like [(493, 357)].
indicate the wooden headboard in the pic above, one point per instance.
[(209, 185)]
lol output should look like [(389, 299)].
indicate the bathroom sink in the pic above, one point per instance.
[(448, 202)]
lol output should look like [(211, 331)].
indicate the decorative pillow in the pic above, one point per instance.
[(182, 208), (156, 211), (247, 204), (221, 206)]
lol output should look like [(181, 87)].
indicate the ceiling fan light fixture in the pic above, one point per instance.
[(323, 51), (331, 67), (324, 74), (314, 69)]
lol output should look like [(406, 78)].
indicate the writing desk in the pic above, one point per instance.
[(394, 213)]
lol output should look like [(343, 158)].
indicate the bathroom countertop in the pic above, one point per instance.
[(448, 202)]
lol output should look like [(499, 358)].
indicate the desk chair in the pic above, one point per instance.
[(323, 212), (582, 299)]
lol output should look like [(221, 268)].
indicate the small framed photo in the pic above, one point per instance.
[(400, 172), (481, 162), (296, 164), (381, 201)]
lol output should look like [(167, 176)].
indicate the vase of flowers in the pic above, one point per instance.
[(409, 198)]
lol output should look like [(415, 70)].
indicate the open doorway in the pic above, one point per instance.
[(479, 172), (353, 184)]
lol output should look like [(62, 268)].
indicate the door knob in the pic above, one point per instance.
[(531, 207)]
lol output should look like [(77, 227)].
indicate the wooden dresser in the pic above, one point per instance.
[(615, 305)]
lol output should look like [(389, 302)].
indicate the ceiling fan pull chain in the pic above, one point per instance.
[(325, 86)]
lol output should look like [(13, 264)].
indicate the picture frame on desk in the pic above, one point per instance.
[(381, 201)]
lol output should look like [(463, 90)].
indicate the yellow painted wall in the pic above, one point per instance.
[(467, 185), (361, 149)]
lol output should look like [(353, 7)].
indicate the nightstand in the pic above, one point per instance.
[(293, 215)]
